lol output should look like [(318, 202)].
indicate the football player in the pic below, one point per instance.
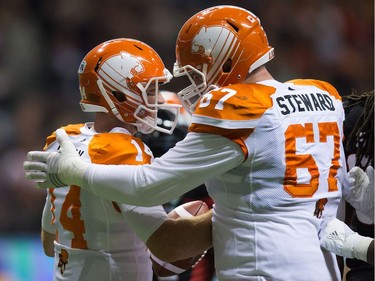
[(95, 239)]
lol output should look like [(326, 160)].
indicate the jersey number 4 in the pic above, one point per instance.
[(74, 223), (296, 161), (70, 217)]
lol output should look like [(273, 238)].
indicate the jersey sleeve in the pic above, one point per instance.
[(318, 83), (144, 220), (232, 112), (190, 163), (73, 129), (118, 148)]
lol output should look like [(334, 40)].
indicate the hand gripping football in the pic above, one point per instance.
[(162, 268)]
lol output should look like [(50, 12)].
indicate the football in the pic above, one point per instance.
[(164, 269)]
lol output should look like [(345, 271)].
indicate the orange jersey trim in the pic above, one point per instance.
[(232, 111), (117, 148), (318, 83), (244, 102), (73, 129)]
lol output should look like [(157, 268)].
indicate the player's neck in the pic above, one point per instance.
[(105, 122), (259, 74)]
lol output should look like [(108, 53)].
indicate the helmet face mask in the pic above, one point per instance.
[(147, 113), (160, 143), (122, 77), (190, 95), (222, 43)]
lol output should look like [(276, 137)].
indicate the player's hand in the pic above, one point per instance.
[(36, 171), (336, 237), (333, 236), (361, 190), (56, 169)]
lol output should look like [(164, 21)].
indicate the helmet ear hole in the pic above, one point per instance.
[(227, 66), (120, 96), (233, 25), (98, 64)]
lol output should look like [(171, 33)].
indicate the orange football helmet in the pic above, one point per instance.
[(216, 47), (122, 77)]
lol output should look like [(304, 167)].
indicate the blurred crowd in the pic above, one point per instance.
[(43, 42)]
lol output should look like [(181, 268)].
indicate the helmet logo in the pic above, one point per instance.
[(217, 43), (211, 41), (63, 260), (203, 42), (129, 65), (82, 67)]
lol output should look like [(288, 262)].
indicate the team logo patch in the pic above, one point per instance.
[(319, 207), (63, 260)]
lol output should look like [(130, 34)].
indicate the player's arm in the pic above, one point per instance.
[(48, 231), (182, 238), (189, 164), (169, 239), (370, 253), (47, 242)]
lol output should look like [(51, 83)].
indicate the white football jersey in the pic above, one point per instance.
[(93, 240), (268, 210)]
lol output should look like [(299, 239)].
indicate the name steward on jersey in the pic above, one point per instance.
[(304, 102)]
